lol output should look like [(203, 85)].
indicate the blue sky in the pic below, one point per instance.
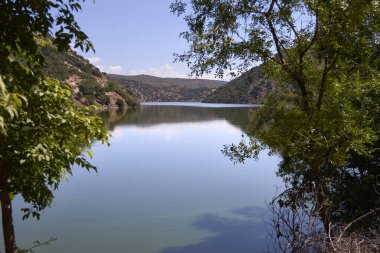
[(134, 37)]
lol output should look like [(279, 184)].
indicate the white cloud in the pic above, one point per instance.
[(117, 69), (166, 70), (94, 60), (172, 131), (114, 69)]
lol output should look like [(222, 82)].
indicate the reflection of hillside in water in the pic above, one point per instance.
[(153, 115)]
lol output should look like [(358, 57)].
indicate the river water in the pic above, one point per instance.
[(163, 186)]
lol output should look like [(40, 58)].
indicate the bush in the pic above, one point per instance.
[(120, 103)]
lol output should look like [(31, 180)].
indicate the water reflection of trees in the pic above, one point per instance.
[(153, 115), (330, 164), (325, 104), (331, 179)]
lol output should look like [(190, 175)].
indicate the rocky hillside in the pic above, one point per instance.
[(249, 88), (89, 86), (155, 89)]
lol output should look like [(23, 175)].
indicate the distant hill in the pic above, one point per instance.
[(89, 86), (191, 83), (150, 88), (249, 88)]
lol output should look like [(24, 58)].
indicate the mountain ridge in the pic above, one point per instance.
[(149, 88), (89, 86), (249, 88)]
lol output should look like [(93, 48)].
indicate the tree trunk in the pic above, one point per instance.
[(321, 203), (7, 219), (6, 211)]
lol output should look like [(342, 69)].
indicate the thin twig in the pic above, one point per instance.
[(357, 219)]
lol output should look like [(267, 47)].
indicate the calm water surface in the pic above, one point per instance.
[(163, 186)]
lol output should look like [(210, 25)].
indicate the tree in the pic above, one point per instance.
[(120, 103), (42, 133), (324, 57)]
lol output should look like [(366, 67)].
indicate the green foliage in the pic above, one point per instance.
[(120, 103), (62, 65), (338, 145), (354, 187), (25, 26), (123, 92), (150, 88), (324, 138), (92, 91), (66, 65), (249, 88), (323, 57), (9, 104), (22, 21), (42, 134), (232, 35), (45, 140)]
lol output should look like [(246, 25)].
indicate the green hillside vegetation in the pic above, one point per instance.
[(89, 85), (71, 64), (249, 88), (150, 88), (190, 83)]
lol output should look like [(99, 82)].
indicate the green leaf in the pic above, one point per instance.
[(16, 100)]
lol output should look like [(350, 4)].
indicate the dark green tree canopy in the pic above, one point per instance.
[(324, 58), (306, 39), (44, 142), (26, 25), (42, 133), (22, 21)]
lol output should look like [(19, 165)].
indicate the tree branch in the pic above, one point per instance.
[(316, 32), (296, 34), (356, 220), (283, 63), (326, 69)]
